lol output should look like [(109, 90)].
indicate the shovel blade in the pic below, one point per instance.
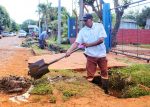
[(38, 63), (40, 72)]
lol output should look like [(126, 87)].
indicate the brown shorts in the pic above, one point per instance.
[(92, 63)]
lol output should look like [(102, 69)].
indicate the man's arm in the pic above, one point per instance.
[(99, 41), (73, 47)]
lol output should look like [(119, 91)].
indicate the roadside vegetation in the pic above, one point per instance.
[(131, 81), (128, 82)]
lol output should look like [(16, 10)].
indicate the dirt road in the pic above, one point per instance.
[(13, 61), (13, 58)]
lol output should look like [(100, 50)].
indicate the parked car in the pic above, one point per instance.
[(22, 33), (5, 33), (12, 34)]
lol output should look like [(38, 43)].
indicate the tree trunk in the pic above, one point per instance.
[(116, 27)]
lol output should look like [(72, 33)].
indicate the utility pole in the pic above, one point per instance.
[(59, 22), (81, 13), (39, 22)]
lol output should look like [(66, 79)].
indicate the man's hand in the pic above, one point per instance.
[(85, 44), (73, 46), (99, 41), (68, 53)]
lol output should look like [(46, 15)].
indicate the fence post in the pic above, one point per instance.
[(107, 25)]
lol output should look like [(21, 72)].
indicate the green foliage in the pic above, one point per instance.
[(14, 26), (134, 91), (42, 89), (25, 24), (142, 17), (127, 79), (4, 17)]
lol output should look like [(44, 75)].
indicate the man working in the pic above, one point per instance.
[(91, 36), (42, 39)]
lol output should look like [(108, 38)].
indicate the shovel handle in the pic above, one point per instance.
[(62, 57)]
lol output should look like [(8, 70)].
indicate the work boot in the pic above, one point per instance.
[(105, 85)]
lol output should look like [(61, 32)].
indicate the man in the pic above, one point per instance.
[(91, 36), (42, 39)]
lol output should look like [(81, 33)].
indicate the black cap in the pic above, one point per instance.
[(86, 17)]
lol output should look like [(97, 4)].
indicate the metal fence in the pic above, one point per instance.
[(132, 39)]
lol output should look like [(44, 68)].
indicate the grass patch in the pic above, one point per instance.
[(134, 91), (36, 49), (145, 46), (128, 79), (73, 89), (42, 87), (70, 84)]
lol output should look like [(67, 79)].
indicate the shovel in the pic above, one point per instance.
[(40, 68)]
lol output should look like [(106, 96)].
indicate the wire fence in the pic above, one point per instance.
[(133, 37)]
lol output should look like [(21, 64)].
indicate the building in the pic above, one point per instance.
[(128, 24)]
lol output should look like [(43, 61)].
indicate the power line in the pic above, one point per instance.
[(128, 4), (139, 4)]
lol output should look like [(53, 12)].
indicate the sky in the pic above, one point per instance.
[(21, 10)]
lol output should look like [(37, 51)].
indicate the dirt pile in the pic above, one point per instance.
[(13, 84), (56, 49)]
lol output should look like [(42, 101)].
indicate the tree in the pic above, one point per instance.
[(142, 17), (14, 26), (119, 11), (130, 15), (97, 9), (4, 17), (25, 24), (49, 17)]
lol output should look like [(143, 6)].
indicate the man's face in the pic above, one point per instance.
[(88, 23)]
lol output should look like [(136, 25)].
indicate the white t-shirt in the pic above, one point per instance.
[(89, 35)]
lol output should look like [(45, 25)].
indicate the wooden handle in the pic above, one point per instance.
[(62, 57)]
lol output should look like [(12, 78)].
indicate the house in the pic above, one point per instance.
[(128, 24), (147, 26)]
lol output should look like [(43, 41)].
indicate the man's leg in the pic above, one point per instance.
[(102, 63), (91, 67), (41, 44)]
